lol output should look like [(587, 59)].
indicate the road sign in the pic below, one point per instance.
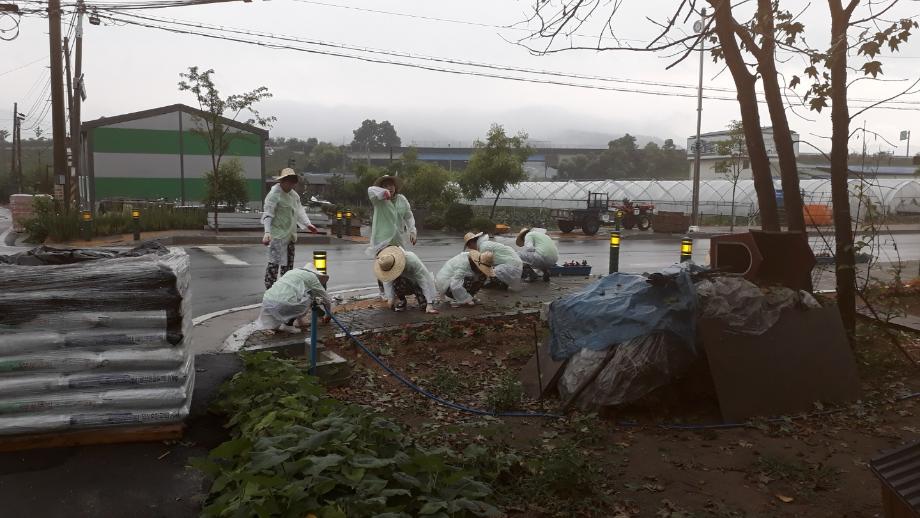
[(905, 135)]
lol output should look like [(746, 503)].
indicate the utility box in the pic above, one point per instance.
[(782, 258), (899, 472)]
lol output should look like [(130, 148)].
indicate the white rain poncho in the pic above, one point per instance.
[(539, 250), (281, 216), (452, 275), (290, 297), (393, 222), (508, 265), (417, 272)]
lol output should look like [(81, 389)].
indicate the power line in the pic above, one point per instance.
[(30, 63), (511, 27), (335, 53)]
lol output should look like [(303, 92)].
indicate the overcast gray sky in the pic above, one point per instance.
[(130, 68)]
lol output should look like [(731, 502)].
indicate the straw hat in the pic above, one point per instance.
[(323, 278), (379, 181), (484, 261), (520, 236), (287, 172), (470, 237), (389, 264)]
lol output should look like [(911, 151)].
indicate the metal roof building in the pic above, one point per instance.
[(157, 155)]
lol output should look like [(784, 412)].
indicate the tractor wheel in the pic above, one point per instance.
[(590, 226), (566, 226), (644, 223)]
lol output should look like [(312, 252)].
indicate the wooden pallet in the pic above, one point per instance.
[(113, 435)]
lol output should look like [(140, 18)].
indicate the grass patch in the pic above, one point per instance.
[(505, 394)]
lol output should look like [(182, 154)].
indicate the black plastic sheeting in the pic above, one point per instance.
[(46, 255)]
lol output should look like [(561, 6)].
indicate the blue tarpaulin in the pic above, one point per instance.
[(620, 307)]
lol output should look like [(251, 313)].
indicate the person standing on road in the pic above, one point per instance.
[(539, 253), (508, 264), (463, 275), (281, 216), (393, 223), (403, 273)]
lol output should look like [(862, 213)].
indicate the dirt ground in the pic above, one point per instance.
[(629, 463)]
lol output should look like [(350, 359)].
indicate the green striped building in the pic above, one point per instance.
[(156, 154)]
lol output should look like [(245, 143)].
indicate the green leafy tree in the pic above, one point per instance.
[(211, 126), (735, 153), (496, 165), (429, 186), (325, 157), (227, 187), (375, 136)]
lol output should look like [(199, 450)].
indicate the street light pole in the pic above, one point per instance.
[(695, 210)]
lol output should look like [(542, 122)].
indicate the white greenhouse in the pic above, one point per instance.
[(891, 196)]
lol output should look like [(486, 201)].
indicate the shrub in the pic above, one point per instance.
[(482, 224), (458, 216), (48, 223), (434, 221)]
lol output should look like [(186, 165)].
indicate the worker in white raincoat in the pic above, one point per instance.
[(403, 273), (463, 275), (282, 213), (393, 223), (508, 265), (539, 252), (286, 306)]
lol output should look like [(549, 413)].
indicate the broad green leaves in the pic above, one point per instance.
[(296, 452)]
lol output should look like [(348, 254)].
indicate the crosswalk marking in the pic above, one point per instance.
[(222, 256)]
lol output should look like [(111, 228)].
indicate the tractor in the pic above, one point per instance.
[(634, 214), (589, 219)]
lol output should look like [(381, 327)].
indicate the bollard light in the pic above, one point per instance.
[(686, 249), (338, 214), (136, 223), (614, 265), (87, 215), (319, 261), (135, 214), (338, 223), (348, 213)]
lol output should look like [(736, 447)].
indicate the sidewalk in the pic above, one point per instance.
[(232, 331)]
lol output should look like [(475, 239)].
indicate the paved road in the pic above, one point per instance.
[(231, 276)]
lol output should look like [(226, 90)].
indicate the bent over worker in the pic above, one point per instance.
[(282, 214), (508, 265), (403, 273), (463, 275), (539, 252), (286, 306)]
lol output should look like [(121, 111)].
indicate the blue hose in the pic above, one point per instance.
[(476, 411), (429, 395)]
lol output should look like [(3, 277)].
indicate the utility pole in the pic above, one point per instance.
[(76, 130), (58, 128), (13, 140), (695, 210)]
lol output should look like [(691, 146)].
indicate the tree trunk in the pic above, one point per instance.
[(750, 116), (494, 203), (840, 196), (782, 136)]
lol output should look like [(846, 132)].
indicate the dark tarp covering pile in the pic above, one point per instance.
[(651, 323), (92, 338)]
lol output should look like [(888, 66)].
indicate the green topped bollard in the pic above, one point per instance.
[(348, 222), (614, 265), (338, 223), (686, 249)]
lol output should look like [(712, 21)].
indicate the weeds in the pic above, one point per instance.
[(446, 381), (807, 478), (506, 394)]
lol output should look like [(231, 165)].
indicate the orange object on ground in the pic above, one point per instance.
[(502, 229), (819, 215)]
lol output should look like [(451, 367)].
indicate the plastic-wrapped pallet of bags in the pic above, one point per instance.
[(92, 338)]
